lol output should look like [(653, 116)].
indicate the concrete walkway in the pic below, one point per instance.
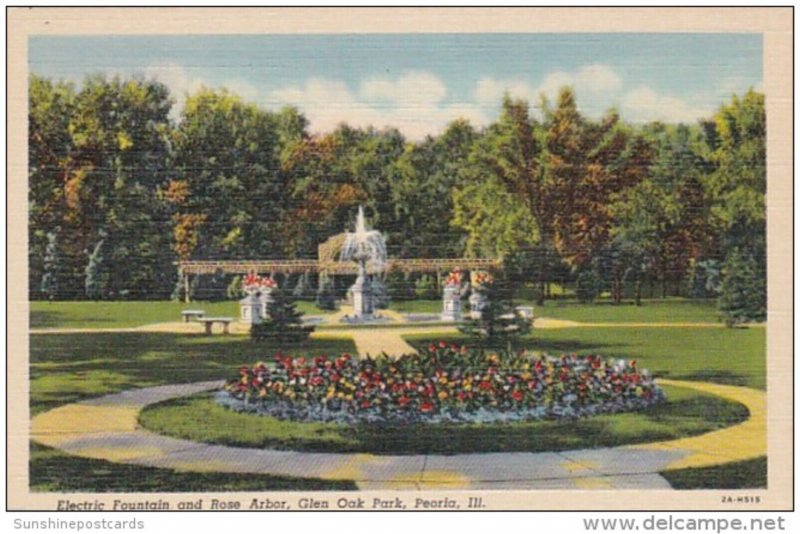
[(106, 428)]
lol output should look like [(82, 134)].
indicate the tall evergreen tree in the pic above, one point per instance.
[(284, 323), (743, 293)]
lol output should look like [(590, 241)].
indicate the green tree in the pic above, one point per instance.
[(229, 197), (737, 188), (326, 293), (422, 180), (743, 292), (496, 222), (284, 323), (588, 163), (50, 108)]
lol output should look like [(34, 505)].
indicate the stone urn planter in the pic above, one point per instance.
[(477, 302), (451, 304), (250, 307)]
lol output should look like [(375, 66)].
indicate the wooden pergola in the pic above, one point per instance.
[(410, 265)]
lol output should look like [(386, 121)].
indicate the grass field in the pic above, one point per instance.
[(200, 418), (84, 314), (53, 471), (747, 474), (724, 355), (671, 310), (69, 367), (88, 314)]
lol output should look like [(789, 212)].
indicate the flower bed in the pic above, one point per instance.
[(446, 383)]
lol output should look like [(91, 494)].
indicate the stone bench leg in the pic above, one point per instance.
[(185, 318), (226, 328), (208, 328)]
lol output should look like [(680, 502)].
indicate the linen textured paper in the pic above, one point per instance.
[(400, 259)]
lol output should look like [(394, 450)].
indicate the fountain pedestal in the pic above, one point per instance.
[(363, 300)]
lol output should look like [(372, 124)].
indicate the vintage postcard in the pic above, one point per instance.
[(400, 259)]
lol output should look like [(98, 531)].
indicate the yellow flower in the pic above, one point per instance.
[(442, 395)]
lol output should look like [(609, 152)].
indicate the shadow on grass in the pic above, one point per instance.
[(685, 413), (46, 319), (69, 367), (747, 474), (53, 471), (719, 376)]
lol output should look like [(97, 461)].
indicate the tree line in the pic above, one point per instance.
[(121, 188)]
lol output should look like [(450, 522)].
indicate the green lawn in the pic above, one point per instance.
[(83, 314), (200, 418), (69, 367), (53, 471), (119, 314), (747, 474), (672, 310), (724, 355)]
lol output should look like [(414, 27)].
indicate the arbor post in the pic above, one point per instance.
[(186, 297)]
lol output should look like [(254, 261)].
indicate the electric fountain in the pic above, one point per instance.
[(368, 249)]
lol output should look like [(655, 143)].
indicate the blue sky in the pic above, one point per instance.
[(420, 82)]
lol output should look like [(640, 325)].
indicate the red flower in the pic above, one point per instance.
[(316, 381), (403, 401), (517, 395), (431, 348), (442, 345), (426, 407), (365, 404), (485, 385)]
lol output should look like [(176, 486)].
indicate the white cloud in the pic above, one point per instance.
[(413, 103), (489, 91), (589, 80), (595, 86), (182, 83), (643, 104), (411, 89)]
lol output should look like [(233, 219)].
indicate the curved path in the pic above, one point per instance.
[(107, 428)]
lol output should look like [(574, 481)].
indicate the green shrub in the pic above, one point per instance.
[(284, 323), (425, 288)]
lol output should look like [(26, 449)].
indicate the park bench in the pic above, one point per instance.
[(209, 322), (525, 311), (188, 315)]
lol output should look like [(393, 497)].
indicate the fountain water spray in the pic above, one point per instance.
[(368, 249)]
